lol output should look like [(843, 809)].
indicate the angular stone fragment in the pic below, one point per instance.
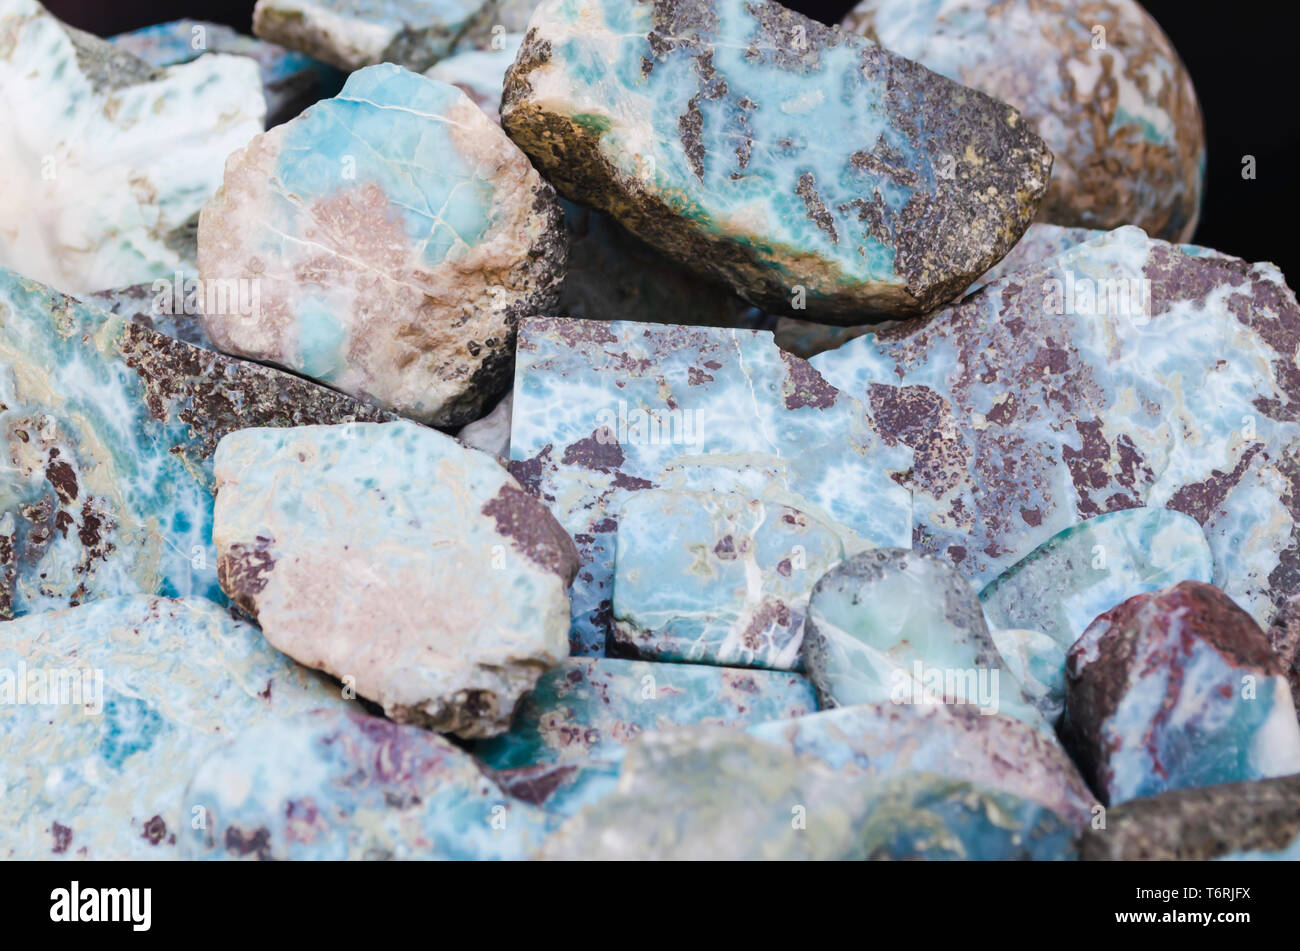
[(792, 161), (716, 578), (351, 34), (892, 625), (410, 567), (290, 81), (1065, 583), (108, 431), (953, 740), (1038, 664), (491, 433), (110, 707), (588, 708), (735, 797), (105, 158), (1124, 372), (395, 237), (1178, 689), (602, 410), (1214, 822), (334, 785), (1100, 82)]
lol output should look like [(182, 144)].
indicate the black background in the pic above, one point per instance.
[(1241, 57)]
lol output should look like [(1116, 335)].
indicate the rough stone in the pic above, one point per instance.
[(589, 708), (1100, 82), (603, 410), (108, 432), (105, 159), (1065, 583), (1038, 664), (1176, 689), (395, 237), (491, 434), (704, 129), (110, 707), (414, 569), (333, 786), (1033, 405), (891, 625)]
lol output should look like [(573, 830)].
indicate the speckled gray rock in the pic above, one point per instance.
[(1197, 824)]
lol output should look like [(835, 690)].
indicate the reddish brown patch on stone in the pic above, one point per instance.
[(155, 830), (804, 386), (62, 838), (1201, 500), (243, 571), (533, 531), (599, 452)]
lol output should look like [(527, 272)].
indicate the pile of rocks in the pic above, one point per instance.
[(558, 411)]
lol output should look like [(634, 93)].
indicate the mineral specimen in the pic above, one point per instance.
[(480, 73), (1098, 81), (332, 785), (1260, 817), (603, 410), (105, 159), (992, 751), (1038, 664), (892, 625), (1065, 583), (716, 578), (140, 303), (108, 431), (290, 81), (562, 789), (1177, 689), (491, 434), (412, 568), (1124, 372), (790, 160), (395, 237), (351, 34), (590, 707), (735, 797), (110, 707)]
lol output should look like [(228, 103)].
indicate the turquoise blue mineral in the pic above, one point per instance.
[(334, 785), (290, 81), (801, 165), (1065, 583), (109, 430), (735, 797), (109, 709), (992, 751), (1177, 689), (589, 708), (892, 625), (605, 410), (562, 789), (1038, 663), (1124, 372), (716, 578)]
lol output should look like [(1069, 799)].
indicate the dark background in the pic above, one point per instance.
[(1240, 57)]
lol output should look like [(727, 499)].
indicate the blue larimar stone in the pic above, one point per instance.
[(290, 81), (735, 797), (1038, 664), (991, 751), (799, 164), (351, 34), (1257, 820), (1124, 372), (716, 578), (480, 73), (562, 789), (590, 707), (1065, 583), (109, 429), (107, 159), (395, 237), (334, 785), (892, 625), (110, 707), (1176, 689), (1071, 69), (400, 561), (604, 410)]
